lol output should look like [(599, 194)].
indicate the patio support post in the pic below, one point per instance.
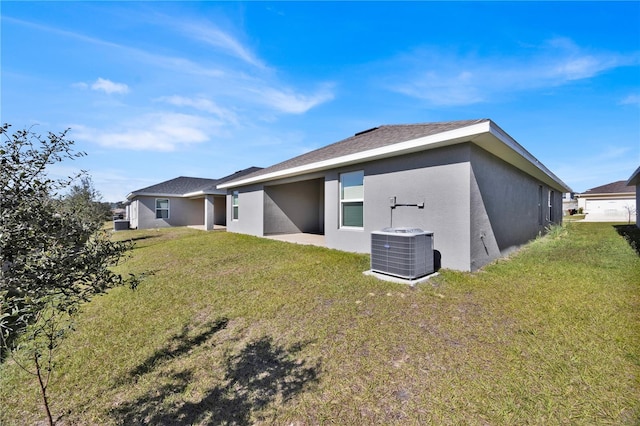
[(208, 212)]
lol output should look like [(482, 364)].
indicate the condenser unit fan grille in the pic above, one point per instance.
[(402, 252)]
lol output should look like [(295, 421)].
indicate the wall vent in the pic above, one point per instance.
[(402, 252)]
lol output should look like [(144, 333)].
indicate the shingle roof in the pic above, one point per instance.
[(188, 185), (236, 175), (393, 140), (177, 186), (611, 188), (369, 139)]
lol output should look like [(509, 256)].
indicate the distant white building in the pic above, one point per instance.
[(613, 202), (569, 202)]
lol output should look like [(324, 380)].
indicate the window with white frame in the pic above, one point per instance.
[(235, 206), (551, 201), (352, 199), (162, 208), (540, 206)]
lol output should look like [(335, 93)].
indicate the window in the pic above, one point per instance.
[(352, 199), (235, 206), (551, 201), (162, 208), (540, 210)]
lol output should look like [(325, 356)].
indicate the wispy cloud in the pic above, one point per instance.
[(219, 39), (632, 99), (152, 132), (289, 101), (202, 104), (259, 84), (445, 78), (609, 164), (129, 53), (245, 85), (109, 87)]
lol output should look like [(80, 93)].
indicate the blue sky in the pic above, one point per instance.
[(156, 90)]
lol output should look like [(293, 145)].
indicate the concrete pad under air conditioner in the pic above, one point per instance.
[(399, 280)]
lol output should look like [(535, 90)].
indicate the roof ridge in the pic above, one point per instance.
[(431, 123), (619, 186)]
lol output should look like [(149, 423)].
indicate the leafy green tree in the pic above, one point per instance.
[(50, 261), (83, 202)]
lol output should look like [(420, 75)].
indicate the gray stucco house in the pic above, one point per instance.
[(471, 184), (634, 180), (183, 201)]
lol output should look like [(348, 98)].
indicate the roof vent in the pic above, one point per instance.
[(366, 131)]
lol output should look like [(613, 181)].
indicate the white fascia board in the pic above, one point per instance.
[(193, 194), (154, 194), (164, 195), (450, 137), (197, 194), (520, 150), (635, 178)]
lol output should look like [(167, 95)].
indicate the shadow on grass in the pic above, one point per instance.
[(631, 233), (179, 345), (142, 237), (260, 374)]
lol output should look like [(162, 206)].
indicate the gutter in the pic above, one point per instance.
[(185, 195)]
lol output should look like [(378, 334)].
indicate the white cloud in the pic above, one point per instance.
[(243, 85), (152, 132), (80, 85), (578, 68), (201, 104), (443, 88), (633, 99), (445, 78), (215, 37), (288, 101), (109, 86)]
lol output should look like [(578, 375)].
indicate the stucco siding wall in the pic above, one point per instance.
[(189, 212), (182, 212), (250, 211), (637, 207), (293, 207), (439, 178), (146, 214), (506, 207)]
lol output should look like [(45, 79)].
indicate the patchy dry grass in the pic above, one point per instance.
[(231, 329)]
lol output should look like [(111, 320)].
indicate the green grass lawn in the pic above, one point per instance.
[(232, 329)]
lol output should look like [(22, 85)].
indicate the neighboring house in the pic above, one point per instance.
[(613, 202), (634, 180), (569, 203), (468, 182), (183, 201)]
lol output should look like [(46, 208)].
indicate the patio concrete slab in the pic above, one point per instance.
[(399, 280), (300, 238)]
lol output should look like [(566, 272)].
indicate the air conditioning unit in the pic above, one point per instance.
[(402, 252)]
